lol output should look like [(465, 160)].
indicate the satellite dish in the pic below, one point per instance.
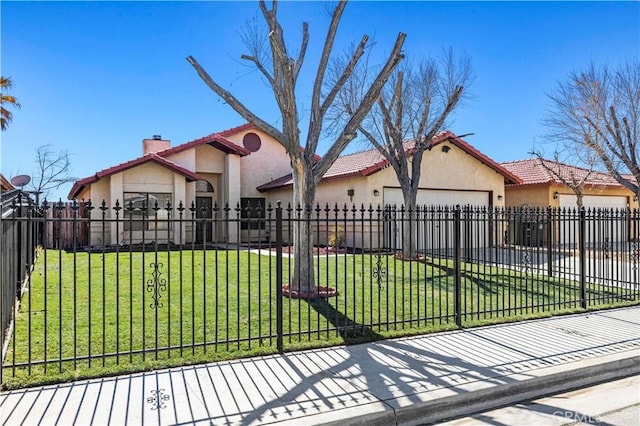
[(20, 180)]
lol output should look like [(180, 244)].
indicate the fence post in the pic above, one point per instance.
[(583, 257), (457, 265), (550, 223), (279, 283)]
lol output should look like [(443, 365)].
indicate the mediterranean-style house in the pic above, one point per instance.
[(539, 187), (244, 166)]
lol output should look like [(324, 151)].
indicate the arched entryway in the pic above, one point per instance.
[(204, 210)]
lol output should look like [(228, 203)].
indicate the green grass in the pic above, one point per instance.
[(214, 305)]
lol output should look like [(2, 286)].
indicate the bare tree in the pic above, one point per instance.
[(413, 108), (598, 111), (281, 72), (52, 171), (573, 178)]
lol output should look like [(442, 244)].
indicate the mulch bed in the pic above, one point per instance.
[(419, 258), (321, 250), (320, 293)]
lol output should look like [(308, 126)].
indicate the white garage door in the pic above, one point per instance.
[(436, 234), (438, 197), (594, 201), (599, 232)]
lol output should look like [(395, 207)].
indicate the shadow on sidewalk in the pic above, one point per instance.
[(350, 331), (294, 385)]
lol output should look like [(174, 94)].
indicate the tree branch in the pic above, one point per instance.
[(239, 106), (260, 67), (349, 131), (317, 112)]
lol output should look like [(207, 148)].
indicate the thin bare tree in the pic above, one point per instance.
[(413, 108), (598, 111), (51, 173), (281, 72), (573, 178)]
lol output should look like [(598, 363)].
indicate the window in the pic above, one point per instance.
[(144, 204), (204, 186), (252, 210)]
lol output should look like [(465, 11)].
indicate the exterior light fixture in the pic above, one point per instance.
[(376, 193), (556, 195), (446, 148), (500, 197), (350, 193)]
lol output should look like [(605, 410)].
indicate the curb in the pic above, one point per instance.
[(462, 405)]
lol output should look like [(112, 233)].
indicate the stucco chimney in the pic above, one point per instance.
[(154, 144)]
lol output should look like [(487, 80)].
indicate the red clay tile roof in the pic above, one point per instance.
[(79, 185), (371, 161), (248, 126), (629, 177), (214, 139), (237, 129), (532, 172)]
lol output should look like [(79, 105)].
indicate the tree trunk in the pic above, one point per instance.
[(304, 192), (409, 234)]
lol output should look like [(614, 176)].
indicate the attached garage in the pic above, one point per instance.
[(439, 197), (600, 229), (595, 201), (452, 172), (438, 232)]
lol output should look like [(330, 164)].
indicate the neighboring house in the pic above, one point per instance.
[(244, 166), (539, 187), (5, 185)]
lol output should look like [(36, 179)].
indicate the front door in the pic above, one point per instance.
[(204, 228)]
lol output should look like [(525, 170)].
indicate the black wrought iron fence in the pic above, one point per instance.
[(162, 285), (18, 246)]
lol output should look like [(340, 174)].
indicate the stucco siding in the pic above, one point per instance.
[(531, 195), (186, 159), (270, 162), (209, 160)]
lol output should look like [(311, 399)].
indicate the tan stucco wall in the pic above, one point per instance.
[(186, 159), (531, 195), (268, 163), (209, 160), (148, 177)]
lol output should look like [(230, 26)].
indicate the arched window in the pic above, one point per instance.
[(204, 186)]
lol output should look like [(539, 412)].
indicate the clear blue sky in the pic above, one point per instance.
[(95, 78)]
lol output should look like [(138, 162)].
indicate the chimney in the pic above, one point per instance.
[(155, 144)]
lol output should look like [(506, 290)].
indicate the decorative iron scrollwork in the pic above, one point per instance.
[(158, 399), (526, 261), (635, 255), (156, 285), (379, 272)]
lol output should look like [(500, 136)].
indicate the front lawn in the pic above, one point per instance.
[(87, 315)]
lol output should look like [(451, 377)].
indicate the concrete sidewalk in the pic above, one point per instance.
[(405, 381)]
